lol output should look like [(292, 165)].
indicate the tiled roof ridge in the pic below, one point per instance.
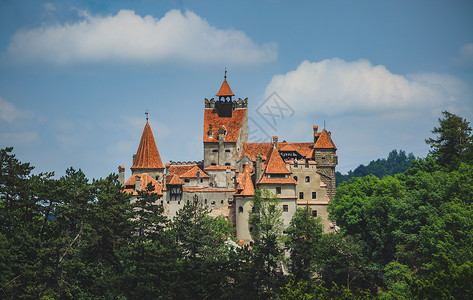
[(192, 173), (147, 156)]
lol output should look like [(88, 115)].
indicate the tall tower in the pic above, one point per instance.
[(225, 128), (147, 159), (326, 158)]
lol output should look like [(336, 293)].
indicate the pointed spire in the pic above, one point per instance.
[(276, 164), (225, 90), (325, 141), (147, 156)]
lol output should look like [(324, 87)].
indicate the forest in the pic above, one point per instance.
[(405, 235)]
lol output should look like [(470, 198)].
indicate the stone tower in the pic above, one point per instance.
[(225, 128), (326, 158)]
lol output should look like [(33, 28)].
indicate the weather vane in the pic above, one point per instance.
[(146, 113), (225, 73)]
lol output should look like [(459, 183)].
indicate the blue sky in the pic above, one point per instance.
[(76, 77)]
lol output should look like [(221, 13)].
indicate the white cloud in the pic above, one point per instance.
[(8, 111), (334, 86), (128, 37)]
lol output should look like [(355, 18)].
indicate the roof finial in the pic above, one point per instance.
[(324, 124), (225, 73), (146, 113)]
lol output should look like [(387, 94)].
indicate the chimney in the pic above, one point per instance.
[(235, 179), (121, 175), (258, 166), (315, 133), (210, 131), (137, 183), (275, 142)]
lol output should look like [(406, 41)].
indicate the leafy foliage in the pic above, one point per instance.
[(405, 235), (395, 163)]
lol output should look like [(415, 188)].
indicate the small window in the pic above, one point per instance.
[(227, 164), (228, 150), (213, 203), (187, 180), (215, 150), (213, 164), (179, 202), (295, 178), (296, 163), (205, 201), (251, 229), (221, 201), (306, 163), (314, 213), (314, 195), (240, 209), (278, 190), (307, 179), (188, 201), (301, 195), (285, 208), (201, 180), (162, 202)]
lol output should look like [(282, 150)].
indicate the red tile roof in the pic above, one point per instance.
[(324, 141), (147, 156), (305, 149), (265, 180), (275, 164), (213, 168), (180, 169), (246, 188), (173, 180), (225, 90), (192, 173), (287, 147), (205, 189), (232, 125), (144, 180), (252, 149)]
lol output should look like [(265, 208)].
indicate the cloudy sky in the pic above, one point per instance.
[(76, 77)]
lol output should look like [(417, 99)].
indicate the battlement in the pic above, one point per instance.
[(182, 163), (240, 103)]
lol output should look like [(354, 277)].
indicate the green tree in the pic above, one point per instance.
[(267, 248), (204, 254), (304, 235), (454, 142)]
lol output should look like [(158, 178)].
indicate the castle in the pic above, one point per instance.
[(300, 174)]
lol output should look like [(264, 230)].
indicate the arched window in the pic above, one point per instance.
[(295, 178), (307, 179), (240, 209)]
